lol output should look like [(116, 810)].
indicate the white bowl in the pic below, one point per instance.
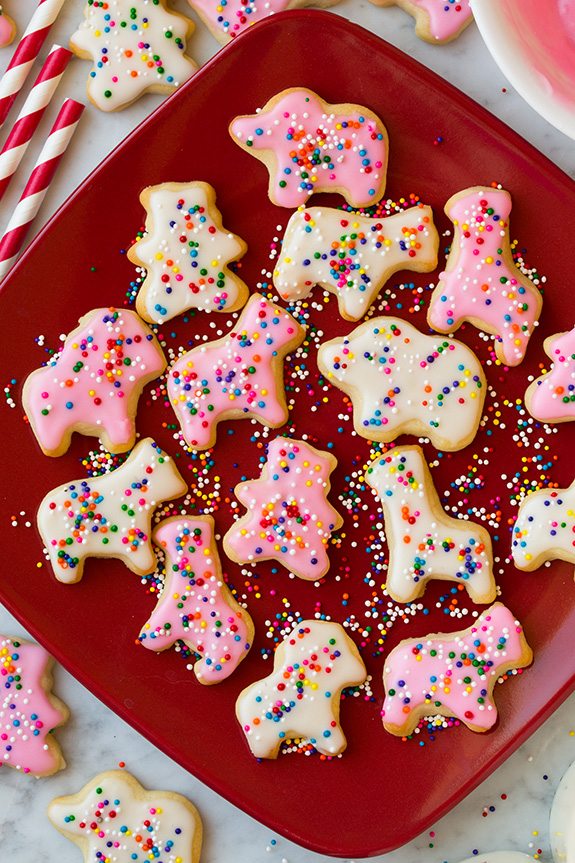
[(533, 43)]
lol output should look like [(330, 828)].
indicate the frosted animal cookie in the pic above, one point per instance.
[(352, 256), (562, 820), (481, 283), (288, 518), (237, 376), (301, 697), (311, 146), (135, 47), (93, 385), (7, 29), (186, 252), (29, 711), (453, 673), (424, 542), (195, 605), (109, 515), (403, 382), (545, 528), (113, 819), (551, 398), (227, 20), (436, 21)]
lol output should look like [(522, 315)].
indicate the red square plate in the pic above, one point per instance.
[(77, 263)]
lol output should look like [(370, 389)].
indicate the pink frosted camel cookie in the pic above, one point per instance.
[(237, 376), (545, 528), (453, 674), (195, 605), (289, 518), (94, 384), (436, 21), (301, 697), (29, 711), (311, 146), (481, 283), (551, 398)]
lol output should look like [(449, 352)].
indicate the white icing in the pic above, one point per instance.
[(562, 820), (545, 528)]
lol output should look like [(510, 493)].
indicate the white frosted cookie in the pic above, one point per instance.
[(545, 528)]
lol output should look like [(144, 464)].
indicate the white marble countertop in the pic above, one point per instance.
[(508, 811)]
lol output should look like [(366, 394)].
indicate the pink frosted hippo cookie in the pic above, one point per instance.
[(311, 146), (288, 518), (545, 528), (481, 283), (195, 605), (453, 674), (237, 376), (29, 711), (93, 385), (436, 21), (301, 697), (551, 398), (228, 19)]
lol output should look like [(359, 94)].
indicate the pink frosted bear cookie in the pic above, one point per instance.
[(311, 146), (195, 605), (94, 383), (289, 518), (551, 398)]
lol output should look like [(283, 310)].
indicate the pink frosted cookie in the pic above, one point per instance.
[(311, 146), (352, 256), (545, 528), (289, 518), (424, 542), (186, 251), (551, 398), (436, 21), (453, 674), (404, 382), (195, 605), (113, 819), (237, 376), (28, 710), (109, 515), (94, 383), (7, 29), (481, 283), (301, 697), (228, 19)]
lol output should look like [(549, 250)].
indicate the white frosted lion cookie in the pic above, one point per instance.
[(401, 381), (562, 820), (301, 697), (424, 542), (186, 252), (113, 818), (551, 398), (545, 528), (352, 256)]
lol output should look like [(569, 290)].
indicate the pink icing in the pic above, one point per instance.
[(92, 381), (27, 715), (195, 603), (553, 395), (317, 150), (454, 685), (6, 30), (478, 283), (237, 374), (237, 15), (446, 17), (289, 518)]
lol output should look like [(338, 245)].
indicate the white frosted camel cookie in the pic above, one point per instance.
[(545, 528)]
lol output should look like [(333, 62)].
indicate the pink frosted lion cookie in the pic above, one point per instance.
[(195, 605), (551, 398), (29, 711), (436, 21), (311, 146), (289, 518), (94, 383)]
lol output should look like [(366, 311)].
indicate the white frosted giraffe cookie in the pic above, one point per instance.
[(195, 605), (288, 518), (114, 819), (186, 252), (351, 255), (401, 381), (545, 528), (424, 542), (109, 515), (453, 673), (562, 819), (135, 48), (551, 398), (94, 384), (301, 697), (436, 21), (481, 283)]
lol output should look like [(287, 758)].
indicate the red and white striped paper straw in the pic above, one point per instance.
[(39, 182), (26, 53), (32, 112)]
